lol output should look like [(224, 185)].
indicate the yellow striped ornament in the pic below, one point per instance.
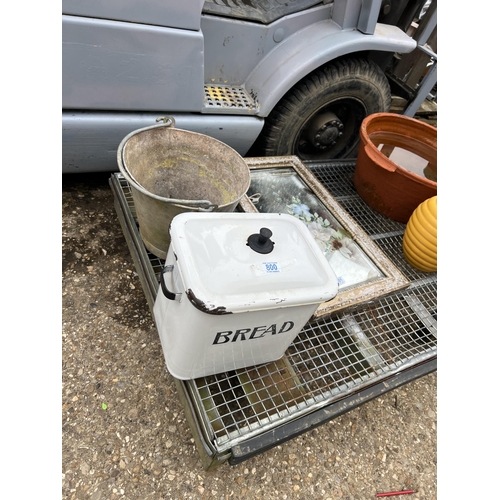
[(420, 237)]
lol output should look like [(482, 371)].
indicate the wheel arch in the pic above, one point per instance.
[(310, 48)]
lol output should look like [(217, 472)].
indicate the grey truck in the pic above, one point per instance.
[(267, 77)]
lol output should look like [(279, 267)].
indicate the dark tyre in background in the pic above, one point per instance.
[(320, 117)]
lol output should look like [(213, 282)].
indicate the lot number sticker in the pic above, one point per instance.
[(271, 267)]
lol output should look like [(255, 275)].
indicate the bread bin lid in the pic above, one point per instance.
[(237, 262)]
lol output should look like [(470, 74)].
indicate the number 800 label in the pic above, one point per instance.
[(271, 267)]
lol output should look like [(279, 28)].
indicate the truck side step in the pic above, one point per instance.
[(232, 99)]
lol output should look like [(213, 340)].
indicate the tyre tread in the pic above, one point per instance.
[(288, 108)]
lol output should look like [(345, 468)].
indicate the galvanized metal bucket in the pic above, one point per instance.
[(171, 171)]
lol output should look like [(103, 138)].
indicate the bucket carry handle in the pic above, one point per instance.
[(200, 205), (170, 295), (168, 121)]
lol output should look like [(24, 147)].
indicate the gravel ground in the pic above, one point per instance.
[(124, 431)]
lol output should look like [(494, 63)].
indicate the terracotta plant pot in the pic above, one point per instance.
[(389, 143)]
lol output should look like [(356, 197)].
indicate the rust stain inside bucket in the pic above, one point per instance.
[(189, 178)]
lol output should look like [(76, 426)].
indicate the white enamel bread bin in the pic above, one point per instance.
[(236, 289)]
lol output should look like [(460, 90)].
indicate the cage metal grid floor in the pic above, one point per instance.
[(338, 179), (331, 357), (328, 359), (154, 261)]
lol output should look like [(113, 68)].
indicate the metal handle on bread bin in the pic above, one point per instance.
[(170, 295)]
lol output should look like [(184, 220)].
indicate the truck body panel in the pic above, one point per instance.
[(233, 47), (113, 65), (183, 14), (90, 139)]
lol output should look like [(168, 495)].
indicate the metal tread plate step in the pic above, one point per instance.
[(229, 98), (332, 362)]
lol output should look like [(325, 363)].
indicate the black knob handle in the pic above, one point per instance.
[(261, 242)]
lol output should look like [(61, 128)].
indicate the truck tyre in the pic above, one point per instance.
[(319, 118)]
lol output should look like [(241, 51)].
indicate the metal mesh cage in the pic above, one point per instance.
[(333, 356)]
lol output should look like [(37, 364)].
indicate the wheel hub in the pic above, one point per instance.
[(324, 130)]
